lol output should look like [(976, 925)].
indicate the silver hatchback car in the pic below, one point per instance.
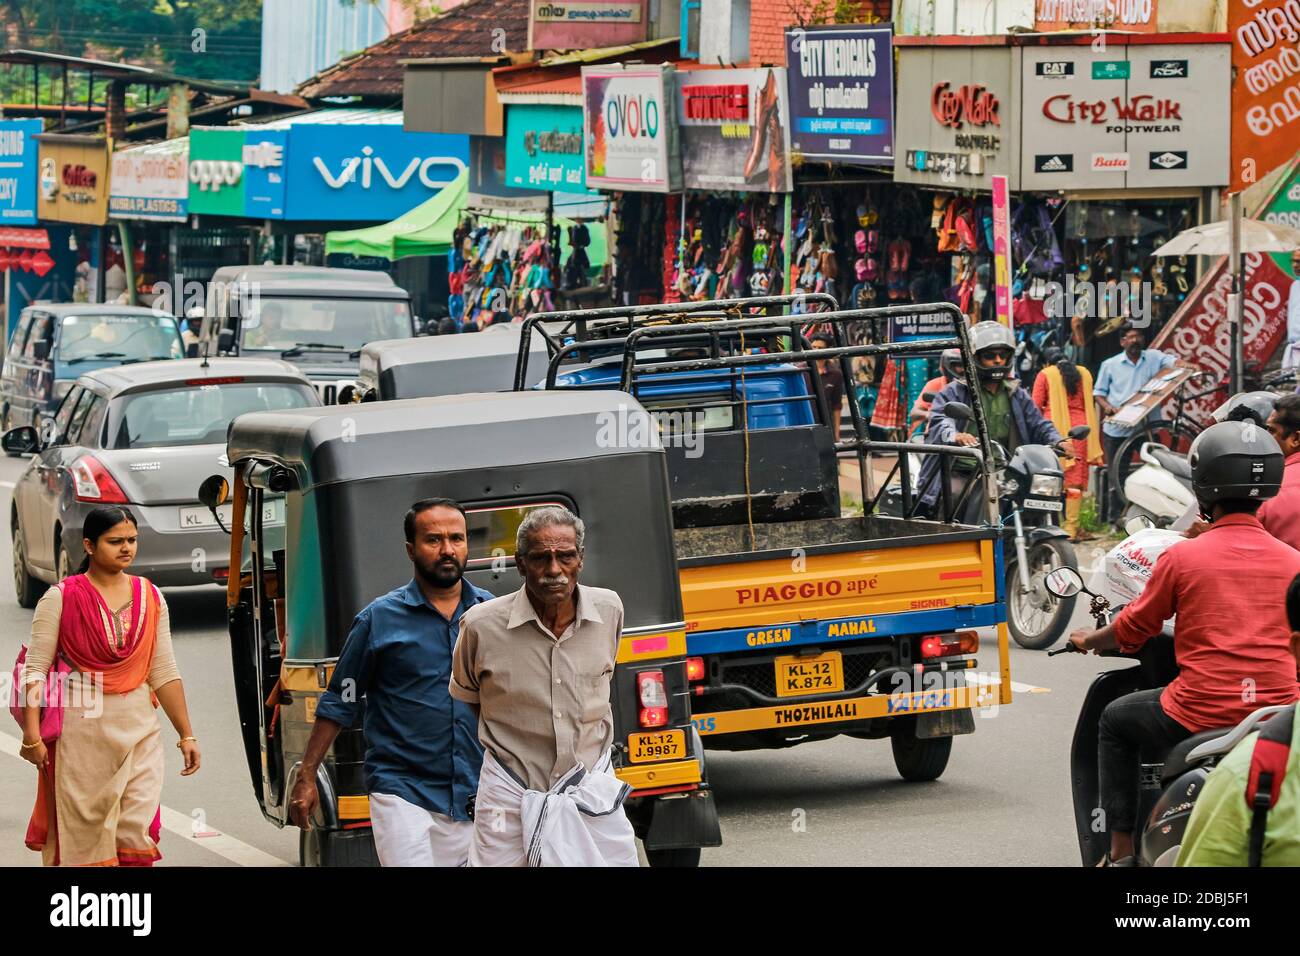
[(143, 436)]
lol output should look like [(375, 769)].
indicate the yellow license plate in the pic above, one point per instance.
[(801, 676), (663, 745)]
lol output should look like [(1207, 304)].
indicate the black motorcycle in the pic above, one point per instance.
[(1169, 783), (1031, 491)]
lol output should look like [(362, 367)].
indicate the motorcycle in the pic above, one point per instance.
[(1160, 489), (1169, 784), (1031, 488)]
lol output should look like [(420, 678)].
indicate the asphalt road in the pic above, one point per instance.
[(1004, 799)]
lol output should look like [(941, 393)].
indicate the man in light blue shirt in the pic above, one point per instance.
[(1119, 379)]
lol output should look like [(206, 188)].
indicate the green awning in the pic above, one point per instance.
[(426, 230)]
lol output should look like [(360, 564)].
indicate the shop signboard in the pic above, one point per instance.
[(734, 130), (264, 161), (1002, 249), (630, 136), (216, 171), (544, 148), (955, 117), (585, 24), (366, 172), (1155, 116), (1265, 46), (1130, 16), (18, 171), (73, 179), (841, 86), (151, 182)]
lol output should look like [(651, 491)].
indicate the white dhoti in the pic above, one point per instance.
[(407, 835), (578, 822)]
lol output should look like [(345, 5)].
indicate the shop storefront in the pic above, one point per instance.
[(148, 199), (24, 250), (73, 180)]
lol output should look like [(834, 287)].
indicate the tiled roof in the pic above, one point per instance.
[(769, 18), (469, 30)]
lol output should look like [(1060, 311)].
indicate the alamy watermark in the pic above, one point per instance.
[(630, 427)]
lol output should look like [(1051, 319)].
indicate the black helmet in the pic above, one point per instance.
[(949, 362), (1247, 406), (989, 337), (1235, 461)]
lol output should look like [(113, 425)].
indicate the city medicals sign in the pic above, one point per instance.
[(630, 138), (1265, 37), (841, 82), (151, 182), (544, 148), (734, 130), (18, 162)]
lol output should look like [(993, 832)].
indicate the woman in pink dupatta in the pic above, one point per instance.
[(100, 782)]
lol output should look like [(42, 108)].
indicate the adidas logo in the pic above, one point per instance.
[(1054, 165)]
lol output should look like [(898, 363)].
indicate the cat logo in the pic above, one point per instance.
[(1054, 68)]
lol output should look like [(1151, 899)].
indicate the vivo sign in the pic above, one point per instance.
[(367, 172)]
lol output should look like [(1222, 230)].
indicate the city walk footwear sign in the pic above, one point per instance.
[(630, 128), (1265, 38), (734, 129), (18, 171), (841, 83), (1154, 115)]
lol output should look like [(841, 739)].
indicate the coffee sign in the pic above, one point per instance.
[(74, 176)]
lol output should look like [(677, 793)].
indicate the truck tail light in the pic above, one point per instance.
[(654, 698), (694, 669), (950, 645), (94, 483)]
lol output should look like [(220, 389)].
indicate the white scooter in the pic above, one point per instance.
[(1160, 490)]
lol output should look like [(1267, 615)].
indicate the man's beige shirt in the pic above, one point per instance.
[(543, 701)]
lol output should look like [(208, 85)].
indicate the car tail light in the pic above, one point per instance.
[(94, 483), (654, 698), (216, 380), (948, 645), (221, 574), (694, 668)]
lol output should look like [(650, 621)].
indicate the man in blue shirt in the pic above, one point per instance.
[(422, 750), (1118, 379)]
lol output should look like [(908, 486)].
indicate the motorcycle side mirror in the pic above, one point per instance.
[(1079, 432), (213, 492), (1063, 582), (958, 411), (1138, 523)]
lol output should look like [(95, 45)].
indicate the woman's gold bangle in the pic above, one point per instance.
[(31, 746), (183, 739)]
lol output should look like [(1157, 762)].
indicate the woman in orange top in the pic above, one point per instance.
[(1063, 392), (101, 650)]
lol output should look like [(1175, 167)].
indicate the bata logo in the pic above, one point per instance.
[(79, 176), (972, 104), (1109, 162), (1064, 108), (362, 169)]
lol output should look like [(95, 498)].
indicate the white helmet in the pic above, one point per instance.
[(989, 336)]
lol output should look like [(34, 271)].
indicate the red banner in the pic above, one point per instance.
[(1265, 87), (1200, 334)]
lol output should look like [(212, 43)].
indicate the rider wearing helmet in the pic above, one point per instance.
[(1231, 637), (1010, 414), (950, 367)]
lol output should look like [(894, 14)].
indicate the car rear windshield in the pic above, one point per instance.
[(339, 324), (118, 338), (199, 414)]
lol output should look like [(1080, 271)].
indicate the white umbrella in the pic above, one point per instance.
[(1213, 239)]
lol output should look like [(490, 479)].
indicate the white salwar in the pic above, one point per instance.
[(578, 822)]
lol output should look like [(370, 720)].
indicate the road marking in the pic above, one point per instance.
[(1016, 686), (222, 844)]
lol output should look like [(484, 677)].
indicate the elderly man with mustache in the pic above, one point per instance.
[(537, 666)]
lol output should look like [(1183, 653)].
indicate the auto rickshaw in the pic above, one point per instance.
[(348, 474)]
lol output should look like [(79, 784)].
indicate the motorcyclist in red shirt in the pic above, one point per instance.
[(1231, 637)]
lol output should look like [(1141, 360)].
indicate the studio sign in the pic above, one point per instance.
[(367, 163), (971, 103), (552, 142)]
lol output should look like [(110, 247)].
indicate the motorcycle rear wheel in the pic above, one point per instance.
[(1037, 620)]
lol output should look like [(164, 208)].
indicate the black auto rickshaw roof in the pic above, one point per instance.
[(447, 433), (450, 364)]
